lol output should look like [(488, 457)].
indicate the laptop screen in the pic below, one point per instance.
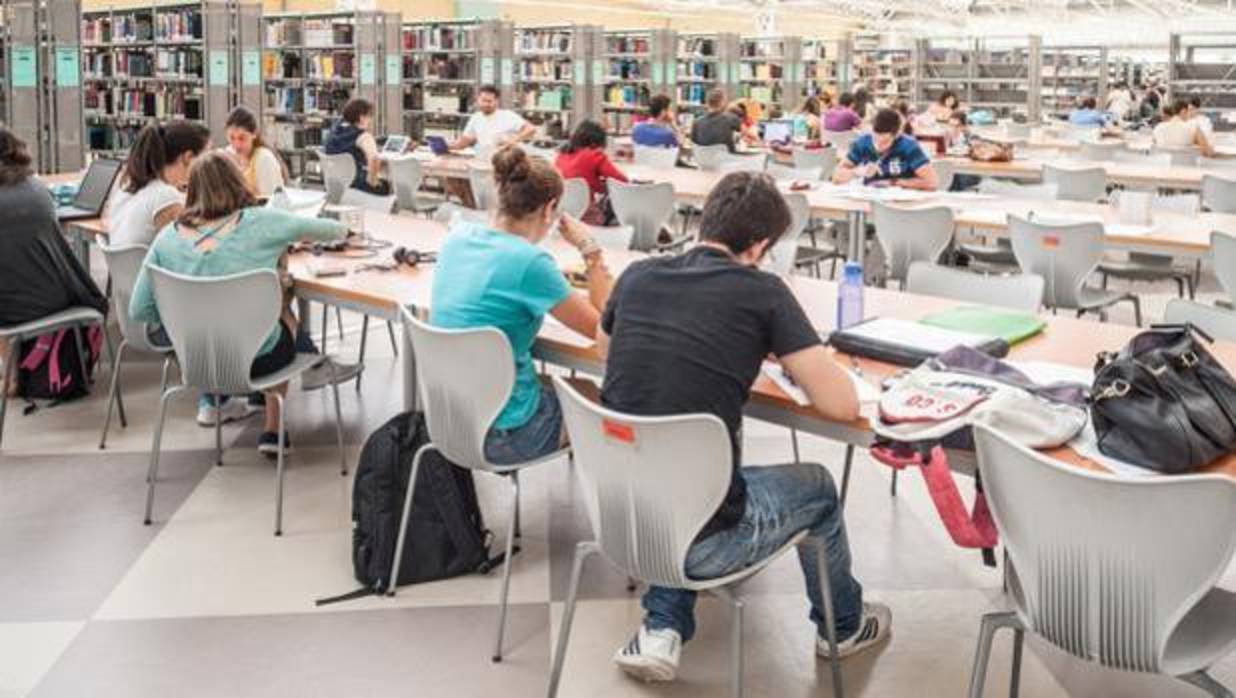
[(97, 184), (395, 144), (778, 131)]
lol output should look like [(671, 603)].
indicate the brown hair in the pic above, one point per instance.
[(157, 147), (743, 209), (241, 117), (812, 106), (15, 160), (355, 109), (525, 185), (216, 189), (716, 99)]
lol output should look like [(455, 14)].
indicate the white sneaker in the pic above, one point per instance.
[(232, 410), (652, 655), (319, 376), (875, 627)]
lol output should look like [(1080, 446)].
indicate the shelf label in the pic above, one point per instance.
[(251, 68), (368, 69), (68, 67), (658, 73), (394, 71), (218, 68), (508, 72), (487, 71), (580, 71), (25, 67)]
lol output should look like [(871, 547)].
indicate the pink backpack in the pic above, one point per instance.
[(50, 368)]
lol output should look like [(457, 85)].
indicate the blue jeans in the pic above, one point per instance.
[(782, 500), (540, 436)]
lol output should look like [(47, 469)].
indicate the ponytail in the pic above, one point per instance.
[(158, 146)]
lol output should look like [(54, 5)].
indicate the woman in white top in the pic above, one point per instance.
[(263, 171), (1175, 131), (154, 176)]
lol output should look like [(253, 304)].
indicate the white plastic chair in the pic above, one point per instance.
[(1219, 193), (1180, 157), (465, 377), (1094, 575), (647, 208), (781, 258), (1156, 159), (946, 172), (841, 141), (123, 264), (612, 237), (1020, 292), (217, 325), (911, 235), (1221, 164), (1220, 323), (1065, 254), (823, 159), (999, 257), (484, 189), (576, 197), (710, 157), (407, 175), (743, 163), (1093, 151), (77, 318), (785, 173), (338, 173), (1223, 254), (1088, 184), (1148, 267), (660, 158), (645, 515)]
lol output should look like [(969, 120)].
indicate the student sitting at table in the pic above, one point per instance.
[(810, 113), (942, 109), (151, 185), (584, 157), (841, 116), (263, 170), (39, 275), (1176, 132), (497, 275), (719, 126), (1199, 119), (351, 135), (745, 111), (702, 353), (659, 130), (886, 156), (489, 127), (1087, 114), (223, 231)]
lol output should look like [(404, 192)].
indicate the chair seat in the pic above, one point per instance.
[(302, 363), (1001, 254), (1141, 271), (506, 469), (1097, 298), (1205, 635), (80, 315), (717, 582)]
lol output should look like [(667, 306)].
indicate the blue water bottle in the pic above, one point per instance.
[(850, 296)]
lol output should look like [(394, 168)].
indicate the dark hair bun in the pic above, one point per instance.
[(13, 150), (511, 164)]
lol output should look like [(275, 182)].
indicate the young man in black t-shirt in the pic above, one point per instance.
[(689, 334), (718, 126)]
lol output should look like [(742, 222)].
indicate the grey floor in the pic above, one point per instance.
[(206, 602)]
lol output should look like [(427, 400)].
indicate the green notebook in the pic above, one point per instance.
[(1012, 327)]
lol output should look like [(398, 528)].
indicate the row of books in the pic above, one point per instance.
[(628, 69), (627, 96), (179, 25), (559, 41), (137, 102), (760, 71), (548, 98), (439, 39), (762, 49), (132, 27), (327, 33), (698, 69), (330, 66), (132, 64), (697, 46), (108, 137), (545, 70), (295, 100), (182, 63), (626, 44), (446, 103), (693, 93), (282, 65), (284, 135), (444, 67)]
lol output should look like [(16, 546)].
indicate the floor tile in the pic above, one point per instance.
[(28, 650)]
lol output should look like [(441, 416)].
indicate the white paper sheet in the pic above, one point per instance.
[(867, 393), (1128, 229), (914, 334)]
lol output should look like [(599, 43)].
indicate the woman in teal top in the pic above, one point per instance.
[(497, 276), (222, 232)]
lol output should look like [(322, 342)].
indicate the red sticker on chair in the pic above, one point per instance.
[(1051, 242), (618, 431)]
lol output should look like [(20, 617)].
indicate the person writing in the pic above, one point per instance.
[(497, 275), (887, 157), (841, 117), (154, 174), (659, 130), (490, 127), (351, 136), (702, 353), (584, 157), (717, 127), (264, 172), (223, 231)]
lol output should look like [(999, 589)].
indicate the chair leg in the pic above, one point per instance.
[(167, 365), (1019, 638), (339, 322), (113, 394), (390, 331), (81, 355), (219, 430), (506, 568), (845, 474), (325, 326), (1137, 310), (892, 487), (1207, 683), (518, 515), (403, 520), (10, 368), (582, 551), (360, 357), (987, 631), (280, 463), (343, 456), (830, 623), (153, 473), (794, 442), (111, 356), (736, 648)]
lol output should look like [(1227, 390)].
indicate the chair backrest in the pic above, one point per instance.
[(1020, 292), (484, 189), (785, 173), (743, 163), (1223, 255), (407, 174), (124, 262), (661, 158), (465, 378), (370, 202), (338, 173), (217, 324), (1219, 193), (1180, 157), (451, 213), (911, 235), (1186, 204), (824, 159), (1072, 184), (780, 259), (841, 141), (649, 484), (1221, 164), (1000, 187), (576, 197), (1099, 152), (710, 157), (946, 172), (1219, 323), (1134, 157), (644, 207), (1096, 574), (1064, 254), (613, 237)]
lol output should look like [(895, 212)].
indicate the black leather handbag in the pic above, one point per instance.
[(1163, 402)]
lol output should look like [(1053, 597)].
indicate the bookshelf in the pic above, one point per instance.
[(822, 66), (40, 70), (558, 71), (638, 64), (998, 74), (704, 63), (1070, 72), (5, 119), (444, 63), (770, 71), (1203, 64), (887, 73)]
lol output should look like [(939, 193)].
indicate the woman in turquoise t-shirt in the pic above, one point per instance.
[(497, 276)]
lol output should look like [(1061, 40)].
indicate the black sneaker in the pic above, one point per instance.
[(268, 444)]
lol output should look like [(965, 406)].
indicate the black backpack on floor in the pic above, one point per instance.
[(446, 532)]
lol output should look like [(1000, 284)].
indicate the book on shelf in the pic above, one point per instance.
[(145, 103), (627, 69), (626, 44), (184, 64), (531, 40), (627, 96), (697, 69), (763, 49), (532, 69), (697, 46), (178, 25), (98, 64), (450, 67), (330, 66), (549, 98), (692, 93), (282, 32), (327, 32), (96, 30), (760, 71), (132, 27), (440, 38), (134, 64)]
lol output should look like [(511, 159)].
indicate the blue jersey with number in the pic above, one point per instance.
[(900, 161)]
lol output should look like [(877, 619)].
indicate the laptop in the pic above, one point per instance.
[(779, 131), (438, 145), (395, 145), (92, 193)]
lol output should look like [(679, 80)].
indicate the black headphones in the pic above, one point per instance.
[(412, 258)]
